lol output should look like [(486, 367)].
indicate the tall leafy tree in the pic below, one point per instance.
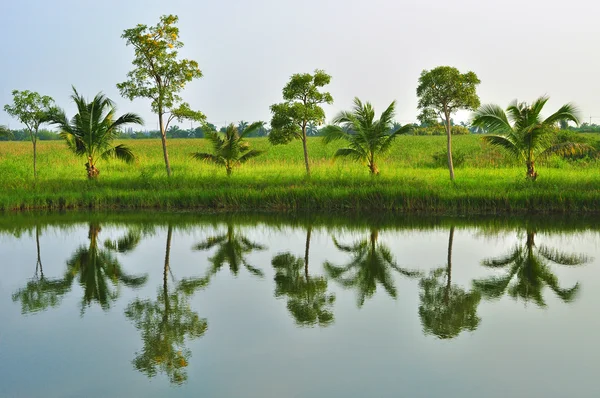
[(446, 309), (33, 110), (5, 132), (443, 91), (527, 270), (229, 147), (530, 136), (371, 264), (165, 324), (92, 130), (308, 300), (366, 137), (159, 75), (301, 106)]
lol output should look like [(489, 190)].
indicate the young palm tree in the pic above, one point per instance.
[(91, 131), (530, 137), (229, 147), (366, 137)]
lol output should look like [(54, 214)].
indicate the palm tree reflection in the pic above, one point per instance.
[(371, 264), (527, 270)]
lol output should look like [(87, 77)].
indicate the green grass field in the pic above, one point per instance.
[(411, 180)]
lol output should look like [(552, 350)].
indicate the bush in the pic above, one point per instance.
[(440, 159), (440, 130)]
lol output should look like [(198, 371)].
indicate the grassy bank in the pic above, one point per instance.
[(411, 180)]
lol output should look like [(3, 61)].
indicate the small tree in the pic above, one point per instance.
[(301, 107), (444, 90), (33, 110), (159, 75), (229, 147), (91, 131), (365, 136)]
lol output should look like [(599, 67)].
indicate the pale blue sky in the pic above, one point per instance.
[(247, 50)]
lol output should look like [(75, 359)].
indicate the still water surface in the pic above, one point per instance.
[(158, 305)]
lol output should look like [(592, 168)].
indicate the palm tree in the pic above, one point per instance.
[(366, 137), (370, 265), (308, 301), (5, 132), (530, 137), (527, 272), (91, 131), (96, 267), (229, 147), (41, 292), (165, 323), (446, 309), (231, 249)]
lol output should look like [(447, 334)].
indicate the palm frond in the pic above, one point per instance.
[(505, 142), (492, 118), (565, 149), (208, 157), (568, 112), (249, 155), (332, 133), (349, 152), (121, 152), (561, 258)]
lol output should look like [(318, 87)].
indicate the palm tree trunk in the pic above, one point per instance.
[(531, 173), (372, 166), (306, 249), (163, 138), (305, 150), (92, 171), (449, 144), (449, 269)]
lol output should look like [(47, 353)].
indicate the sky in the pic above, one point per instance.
[(247, 50)]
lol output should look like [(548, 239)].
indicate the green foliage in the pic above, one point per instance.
[(439, 129), (302, 97), (91, 131), (440, 159), (365, 136), (230, 149), (530, 137), (159, 75)]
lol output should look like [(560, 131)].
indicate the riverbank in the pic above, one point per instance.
[(277, 182)]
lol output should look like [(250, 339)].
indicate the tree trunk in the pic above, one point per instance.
[(166, 269), (305, 150), (449, 269), (229, 168), (531, 173), (92, 171), (38, 264), (449, 145), (163, 137), (372, 166), (34, 157), (306, 249)]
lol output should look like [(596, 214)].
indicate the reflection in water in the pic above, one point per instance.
[(308, 300), (371, 264), (231, 249), (165, 323), (446, 309), (41, 292), (95, 267), (527, 272)]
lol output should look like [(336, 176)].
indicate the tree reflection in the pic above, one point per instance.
[(371, 264), (527, 271), (231, 249), (446, 309), (165, 323), (308, 300), (41, 292), (96, 267)]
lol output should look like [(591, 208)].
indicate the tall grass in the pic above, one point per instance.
[(410, 180)]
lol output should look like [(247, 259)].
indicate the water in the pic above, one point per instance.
[(182, 305)]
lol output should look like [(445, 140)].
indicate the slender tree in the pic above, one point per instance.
[(159, 75), (92, 130), (443, 91), (301, 107), (366, 137), (230, 148), (33, 110), (530, 137)]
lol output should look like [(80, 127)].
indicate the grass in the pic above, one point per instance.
[(411, 180)]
